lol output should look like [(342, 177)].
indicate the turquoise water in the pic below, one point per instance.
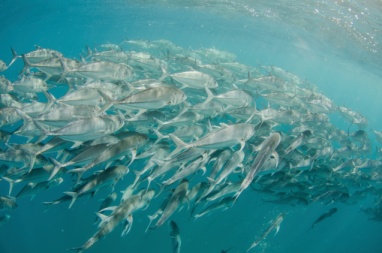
[(336, 46)]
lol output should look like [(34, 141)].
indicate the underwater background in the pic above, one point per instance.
[(335, 45)]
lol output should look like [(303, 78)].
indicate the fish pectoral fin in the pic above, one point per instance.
[(276, 156), (128, 225), (277, 229), (110, 208)]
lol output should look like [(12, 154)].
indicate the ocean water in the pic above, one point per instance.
[(336, 45)]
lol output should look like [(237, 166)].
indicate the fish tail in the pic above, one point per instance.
[(27, 64), (14, 57), (65, 68), (89, 52), (210, 95), (78, 250), (74, 197), (179, 144), (56, 169), (11, 183), (109, 101), (163, 67)]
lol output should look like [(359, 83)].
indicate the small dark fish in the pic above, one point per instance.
[(175, 237), (324, 216), (4, 219)]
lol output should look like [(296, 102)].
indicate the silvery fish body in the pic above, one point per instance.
[(89, 129), (195, 79), (152, 98), (267, 148), (175, 201), (101, 70), (226, 136)]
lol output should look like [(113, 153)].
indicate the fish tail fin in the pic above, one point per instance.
[(78, 250), (160, 124), (137, 177), (109, 101), (14, 57), (89, 52), (65, 68), (50, 98), (211, 188), (179, 144), (210, 95), (236, 196), (163, 67), (156, 131), (253, 245), (44, 132), (79, 172), (151, 218), (11, 183), (56, 169), (74, 197), (27, 64)]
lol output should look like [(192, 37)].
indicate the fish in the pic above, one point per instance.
[(113, 174), (224, 204), (119, 213), (176, 199), (225, 250), (99, 70), (127, 145), (175, 237), (7, 203), (4, 218), (234, 162), (31, 189), (151, 98), (226, 136), (324, 216), (165, 112), (267, 148), (193, 79), (274, 225)]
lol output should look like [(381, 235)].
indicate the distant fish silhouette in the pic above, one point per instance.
[(175, 237), (324, 216), (225, 250)]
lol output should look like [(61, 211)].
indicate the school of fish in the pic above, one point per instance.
[(191, 127)]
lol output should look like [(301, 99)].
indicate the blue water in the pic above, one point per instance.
[(334, 46)]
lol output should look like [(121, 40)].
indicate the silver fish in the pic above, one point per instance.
[(226, 136), (111, 175), (266, 149), (119, 214), (274, 225), (194, 79), (175, 201)]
